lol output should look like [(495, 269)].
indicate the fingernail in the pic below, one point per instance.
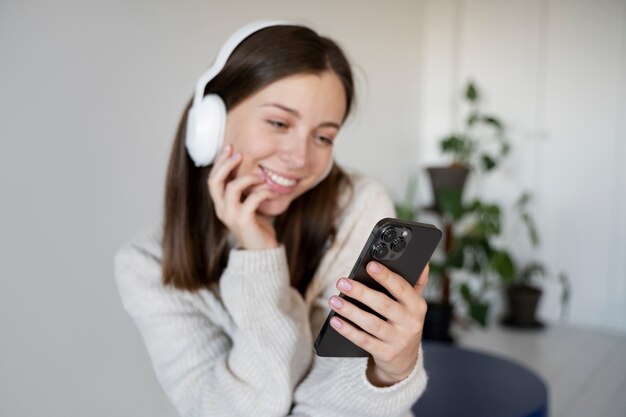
[(375, 267), (344, 284), (226, 149), (336, 302), (336, 323), (236, 155)]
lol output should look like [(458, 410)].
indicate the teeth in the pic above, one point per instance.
[(285, 182)]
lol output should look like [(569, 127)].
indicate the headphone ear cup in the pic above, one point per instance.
[(206, 124)]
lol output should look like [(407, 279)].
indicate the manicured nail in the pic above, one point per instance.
[(336, 323), (344, 284), (336, 302), (236, 155), (226, 149), (375, 267)]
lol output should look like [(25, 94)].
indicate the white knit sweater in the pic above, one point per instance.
[(244, 348)]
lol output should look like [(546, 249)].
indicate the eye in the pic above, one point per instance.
[(326, 141), (277, 124), (324, 137)]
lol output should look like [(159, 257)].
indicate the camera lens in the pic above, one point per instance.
[(398, 245), (380, 251), (389, 235)]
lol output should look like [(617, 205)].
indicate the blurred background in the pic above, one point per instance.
[(91, 92)]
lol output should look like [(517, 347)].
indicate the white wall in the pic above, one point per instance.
[(90, 94), (556, 72)]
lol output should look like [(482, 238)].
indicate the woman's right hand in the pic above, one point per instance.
[(252, 230)]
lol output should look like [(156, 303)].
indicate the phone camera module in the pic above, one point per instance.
[(398, 245), (389, 235), (380, 250)]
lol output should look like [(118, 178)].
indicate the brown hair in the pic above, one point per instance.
[(195, 246)]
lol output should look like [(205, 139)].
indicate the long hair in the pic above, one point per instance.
[(195, 241)]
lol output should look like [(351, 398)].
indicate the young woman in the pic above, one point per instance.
[(230, 291)]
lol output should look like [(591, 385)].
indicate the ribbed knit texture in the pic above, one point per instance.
[(244, 348)]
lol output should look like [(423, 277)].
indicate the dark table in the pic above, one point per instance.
[(467, 383)]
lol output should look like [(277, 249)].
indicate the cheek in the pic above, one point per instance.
[(319, 162), (254, 148), (245, 133)]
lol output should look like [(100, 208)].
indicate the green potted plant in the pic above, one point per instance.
[(523, 294), (522, 288), (472, 229), (468, 147), (489, 266), (476, 227)]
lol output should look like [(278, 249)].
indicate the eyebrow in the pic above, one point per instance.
[(297, 115)]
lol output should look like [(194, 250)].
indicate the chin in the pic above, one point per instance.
[(274, 207)]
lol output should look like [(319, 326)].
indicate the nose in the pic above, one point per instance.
[(294, 152)]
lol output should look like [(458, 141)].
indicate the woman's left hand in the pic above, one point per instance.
[(393, 344)]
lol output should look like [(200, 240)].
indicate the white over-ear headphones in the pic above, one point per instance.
[(206, 120)]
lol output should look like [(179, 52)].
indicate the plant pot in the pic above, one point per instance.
[(445, 179), (437, 322), (523, 301)]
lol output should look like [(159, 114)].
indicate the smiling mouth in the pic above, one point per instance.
[(279, 183)]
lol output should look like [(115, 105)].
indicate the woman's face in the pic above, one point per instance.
[(285, 132)]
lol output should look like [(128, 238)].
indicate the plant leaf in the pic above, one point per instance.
[(455, 258), (465, 293), (476, 266), (488, 218), (493, 121), (471, 92), (566, 294), (505, 148), (488, 162), (460, 146), (472, 118), (479, 311), (502, 263), (452, 143), (524, 199), (532, 269), (532, 228), (405, 212), (436, 268), (449, 201)]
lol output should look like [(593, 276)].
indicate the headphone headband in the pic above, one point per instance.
[(227, 49), (206, 120)]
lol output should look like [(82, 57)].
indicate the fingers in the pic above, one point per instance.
[(254, 200), (236, 187), (366, 321), (227, 194), (358, 337), (236, 199), (394, 343), (222, 168), (394, 283), (227, 202), (408, 300), (375, 300)]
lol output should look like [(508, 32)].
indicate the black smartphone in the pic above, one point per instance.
[(402, 246)]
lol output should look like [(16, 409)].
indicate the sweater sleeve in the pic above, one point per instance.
[(338, 387), (250, 370)]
